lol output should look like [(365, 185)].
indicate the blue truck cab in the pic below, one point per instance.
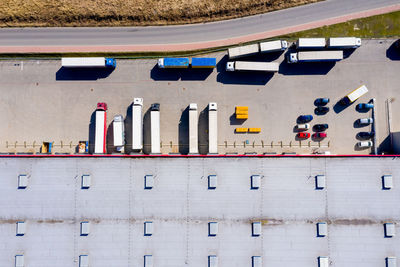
[(111, 62), (170, 62)]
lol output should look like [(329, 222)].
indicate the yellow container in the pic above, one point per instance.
[(241, 109), (254, 130), (242, 117), (241, 130)]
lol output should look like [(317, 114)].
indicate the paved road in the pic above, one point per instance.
[(199, 33)]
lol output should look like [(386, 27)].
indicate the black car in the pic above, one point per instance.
[(304, 118), (321, 110), (321, 101), (366, 135), (320, 127)]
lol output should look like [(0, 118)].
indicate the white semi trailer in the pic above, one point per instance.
[(311, 43), (315, 56), (119, 132), (137, 124), (88, 62), (252, 66), (101, 129), (242, 51), (212, 128), (344, 42), (155, 128), (273, 46), (193, 129)]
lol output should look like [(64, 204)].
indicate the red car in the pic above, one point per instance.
[(303, 135), (320, 135)]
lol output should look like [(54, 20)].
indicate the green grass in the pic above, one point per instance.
[(380, 26)]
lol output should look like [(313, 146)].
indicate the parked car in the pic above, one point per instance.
[(304, 126), (304, 118), (303, 135), (321, 101), (365, 121), (364, 106), (320, 135), (363, 144), (321, 110), (320, 127), (366, 135)]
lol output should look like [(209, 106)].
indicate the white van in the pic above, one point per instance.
[(304, 126), (364, 144), (354, 95), (366, 121)]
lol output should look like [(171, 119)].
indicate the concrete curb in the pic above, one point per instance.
[(201, 45)]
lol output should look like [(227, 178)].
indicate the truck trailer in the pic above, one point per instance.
[(212, 128), (315, 56), (311, 43), (101, 129), (119, 132), (204, 62), (344, 42), (173, 63), (88, 62), (273, 46), (155, 128), (137, 124), (252, 66), (243, 51), (193, 129)]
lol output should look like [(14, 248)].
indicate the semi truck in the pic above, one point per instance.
[(344, 42), (137, 124), (119, 132), (173, 63), (204, 62), (193, 129), (155, 128), (88, 62), (101, 129), (242, 51), (212, 128), (311, 43), (315, 56), (252, 66), (273, 46)]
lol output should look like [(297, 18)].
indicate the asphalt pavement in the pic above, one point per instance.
[(43, 102)]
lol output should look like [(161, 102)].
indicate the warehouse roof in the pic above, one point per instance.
[(180, 207)]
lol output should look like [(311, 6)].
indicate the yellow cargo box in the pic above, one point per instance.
[(254, 130), (242, 117), (241, 108), (241, 130)]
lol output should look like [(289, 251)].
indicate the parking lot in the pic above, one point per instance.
[(43, 102)]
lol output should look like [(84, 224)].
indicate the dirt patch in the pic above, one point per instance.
[(131, 13), (52, 221), (353, 222)]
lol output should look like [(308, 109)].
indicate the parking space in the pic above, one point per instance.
[(41, 102)]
